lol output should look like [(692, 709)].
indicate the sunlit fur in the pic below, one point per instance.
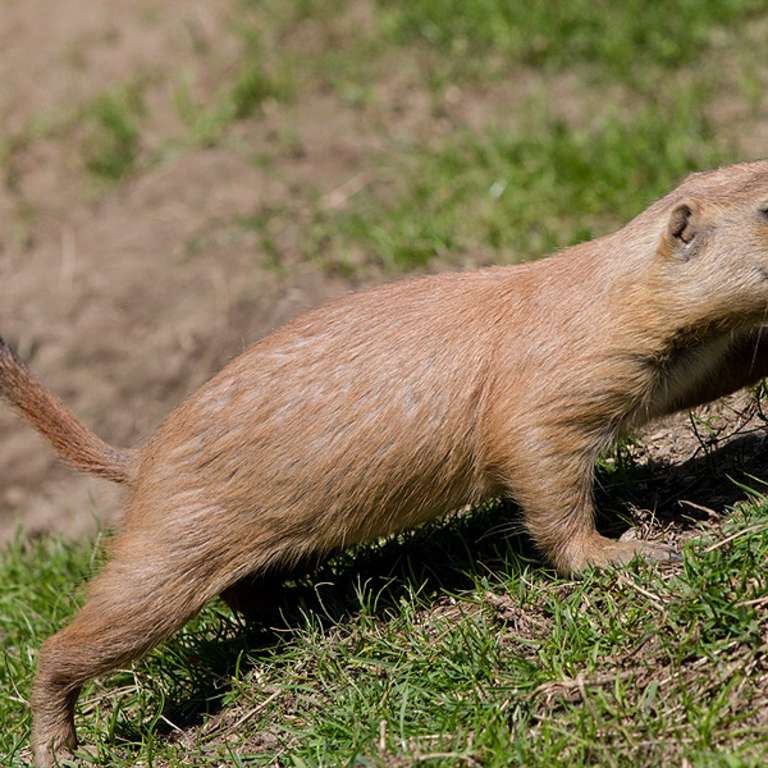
[(393, 406)]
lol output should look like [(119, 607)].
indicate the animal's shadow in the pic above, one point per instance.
[(445, 556), (703, 487)]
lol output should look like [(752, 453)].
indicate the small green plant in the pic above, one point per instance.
[(113, 138), (241, 96)]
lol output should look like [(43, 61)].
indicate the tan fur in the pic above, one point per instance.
[(390, 407), (78, 446)]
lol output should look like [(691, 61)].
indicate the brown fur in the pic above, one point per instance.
[(392, 406)]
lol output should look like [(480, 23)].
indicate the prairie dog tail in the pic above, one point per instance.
[(74, 443)]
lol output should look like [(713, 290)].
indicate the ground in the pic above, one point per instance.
[(180, 178)]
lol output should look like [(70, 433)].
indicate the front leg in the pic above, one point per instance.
[(554, 488)]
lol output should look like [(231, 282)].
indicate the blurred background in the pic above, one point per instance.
[(178, 178)]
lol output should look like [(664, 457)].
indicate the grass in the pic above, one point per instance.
[(445, 647), (622, 40), (113, 138), (501, 196), (253, 80), (619, 41), (520, 194), (239, 99)]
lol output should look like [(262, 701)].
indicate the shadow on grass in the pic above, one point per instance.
[(686, 494), (443, 557)]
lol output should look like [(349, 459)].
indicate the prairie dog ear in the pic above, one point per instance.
[(683, 229)]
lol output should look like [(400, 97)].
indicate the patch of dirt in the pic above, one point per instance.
[(522, 621), (57, 55), (229, 729)]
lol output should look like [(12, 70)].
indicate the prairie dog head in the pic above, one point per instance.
[(712, 250)]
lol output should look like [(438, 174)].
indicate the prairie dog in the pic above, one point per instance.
[(392, 406)]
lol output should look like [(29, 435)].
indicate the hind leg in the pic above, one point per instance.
[(135, 602), (256, 595)]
